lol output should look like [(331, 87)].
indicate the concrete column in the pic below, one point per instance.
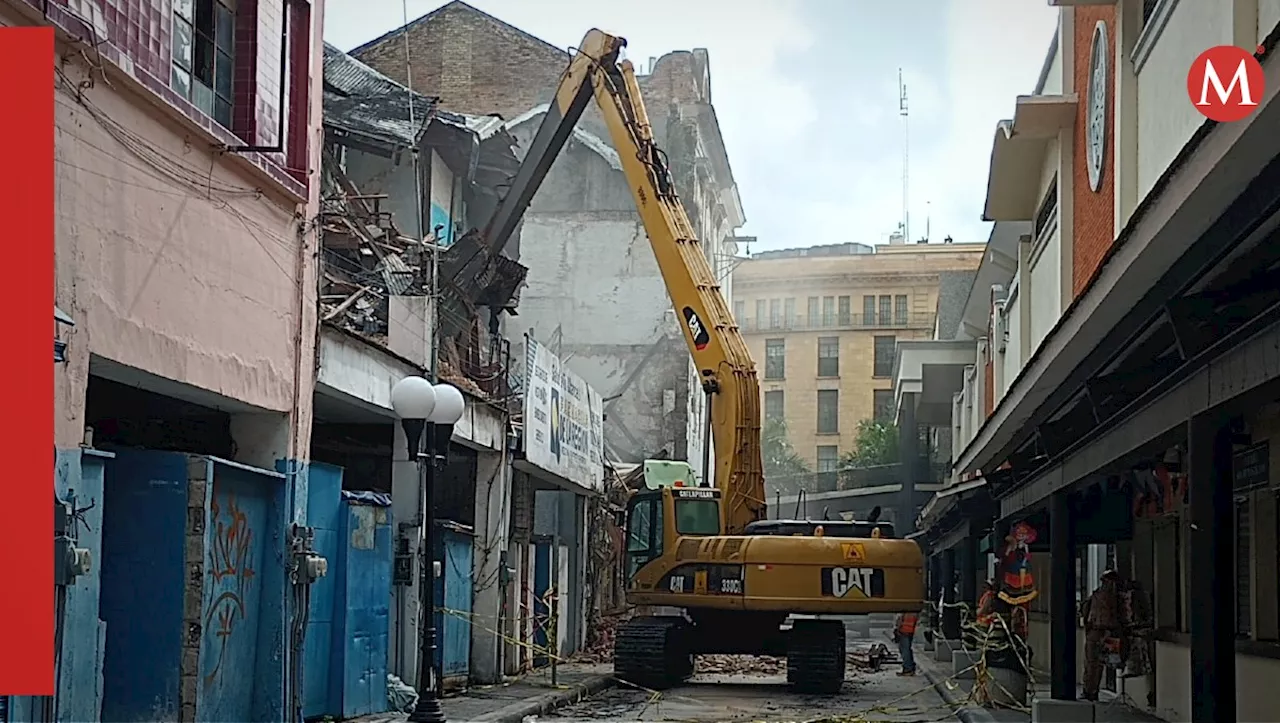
[(493, 494), (969, 572), (908, 454), (1062, 598), (1211, 610), (403, 651), (950, 614), (934, 573), (261, 439)]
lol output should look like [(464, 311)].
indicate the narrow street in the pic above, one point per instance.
[(738, 688)]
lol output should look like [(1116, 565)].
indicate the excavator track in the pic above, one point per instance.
[(815, 656), (653, 652)]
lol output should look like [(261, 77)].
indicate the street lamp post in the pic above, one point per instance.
[(420, 405)]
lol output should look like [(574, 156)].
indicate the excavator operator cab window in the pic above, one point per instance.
[(644, 530), (697, 517)]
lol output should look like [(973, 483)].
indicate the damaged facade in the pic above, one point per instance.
[(404, 186), (594, 294)]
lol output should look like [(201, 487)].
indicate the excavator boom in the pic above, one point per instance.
[(719, 352)]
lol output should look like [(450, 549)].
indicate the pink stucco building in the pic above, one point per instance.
[(187, 148)]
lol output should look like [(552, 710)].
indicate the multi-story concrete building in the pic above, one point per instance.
[(1120, 395), (823, 323)]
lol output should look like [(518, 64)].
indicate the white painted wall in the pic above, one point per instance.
[(1046, 288), (1164, 52), (1012, 353)]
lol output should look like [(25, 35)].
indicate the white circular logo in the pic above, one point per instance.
[(1096, 132)]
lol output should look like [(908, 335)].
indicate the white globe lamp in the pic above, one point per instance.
[(449, 405), (413, 398)]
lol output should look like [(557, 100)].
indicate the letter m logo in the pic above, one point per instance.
[(1226, 83)]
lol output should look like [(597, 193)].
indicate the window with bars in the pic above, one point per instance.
[(900, 309), (204, 46), (775, 404), (739, 311), (885, 347), (886, 310), (775, 313), (1243, 571), (788, 313), (828, 310), (828, 356), (868, 311), (844, 310), (828, 458), (762, 310), (775, 358), (814, 314), (828, 411), (882, 403)]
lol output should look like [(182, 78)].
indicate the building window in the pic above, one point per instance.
[(204, 56), (828, 458), (886, 310), (844, 310), (828, 356), (885, 346), (1244, 568), (828, 411), (788, 313), (739, 311), (900, 309), (882, 401), (775, 313), (775, 358), (828, 310), (774, 404), (813, 312), (761, 312), (868, 311)]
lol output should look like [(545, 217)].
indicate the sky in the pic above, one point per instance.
[(807, 96)]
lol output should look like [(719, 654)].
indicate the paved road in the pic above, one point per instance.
[(707, 698), (764, 696)]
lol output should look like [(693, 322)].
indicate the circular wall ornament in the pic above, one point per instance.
[(1096, 130)]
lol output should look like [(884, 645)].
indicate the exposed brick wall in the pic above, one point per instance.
[(475, 63), (1094, 223), (478, 64)]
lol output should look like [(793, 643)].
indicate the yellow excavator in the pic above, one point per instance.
[(736, 580)]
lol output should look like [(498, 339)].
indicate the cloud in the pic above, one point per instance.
[(807, 96)]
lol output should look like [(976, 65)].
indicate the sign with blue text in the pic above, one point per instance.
[(563, 420)]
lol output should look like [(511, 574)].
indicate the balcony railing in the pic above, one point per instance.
[(836, 322)]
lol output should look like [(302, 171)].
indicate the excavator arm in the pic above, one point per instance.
[(719, 352)]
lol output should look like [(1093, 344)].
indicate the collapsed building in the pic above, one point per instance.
[(594, 294)]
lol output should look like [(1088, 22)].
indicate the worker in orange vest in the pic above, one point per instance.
[(904, 633)]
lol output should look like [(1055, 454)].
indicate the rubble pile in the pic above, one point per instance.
[(600, 636), (740, 664)]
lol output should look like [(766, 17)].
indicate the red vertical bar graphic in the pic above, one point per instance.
[(26, 519)]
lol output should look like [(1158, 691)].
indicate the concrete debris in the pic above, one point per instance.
[(740, 664)]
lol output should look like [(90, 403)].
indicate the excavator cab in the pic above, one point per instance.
[(671, 494)]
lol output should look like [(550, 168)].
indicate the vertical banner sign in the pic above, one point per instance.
[(26, 519), (563, 419)]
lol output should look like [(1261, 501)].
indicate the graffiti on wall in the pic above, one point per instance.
[(230, 574)]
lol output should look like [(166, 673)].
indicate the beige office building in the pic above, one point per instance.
[(822, 324)]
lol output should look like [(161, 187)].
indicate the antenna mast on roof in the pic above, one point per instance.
[(906, 159)]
